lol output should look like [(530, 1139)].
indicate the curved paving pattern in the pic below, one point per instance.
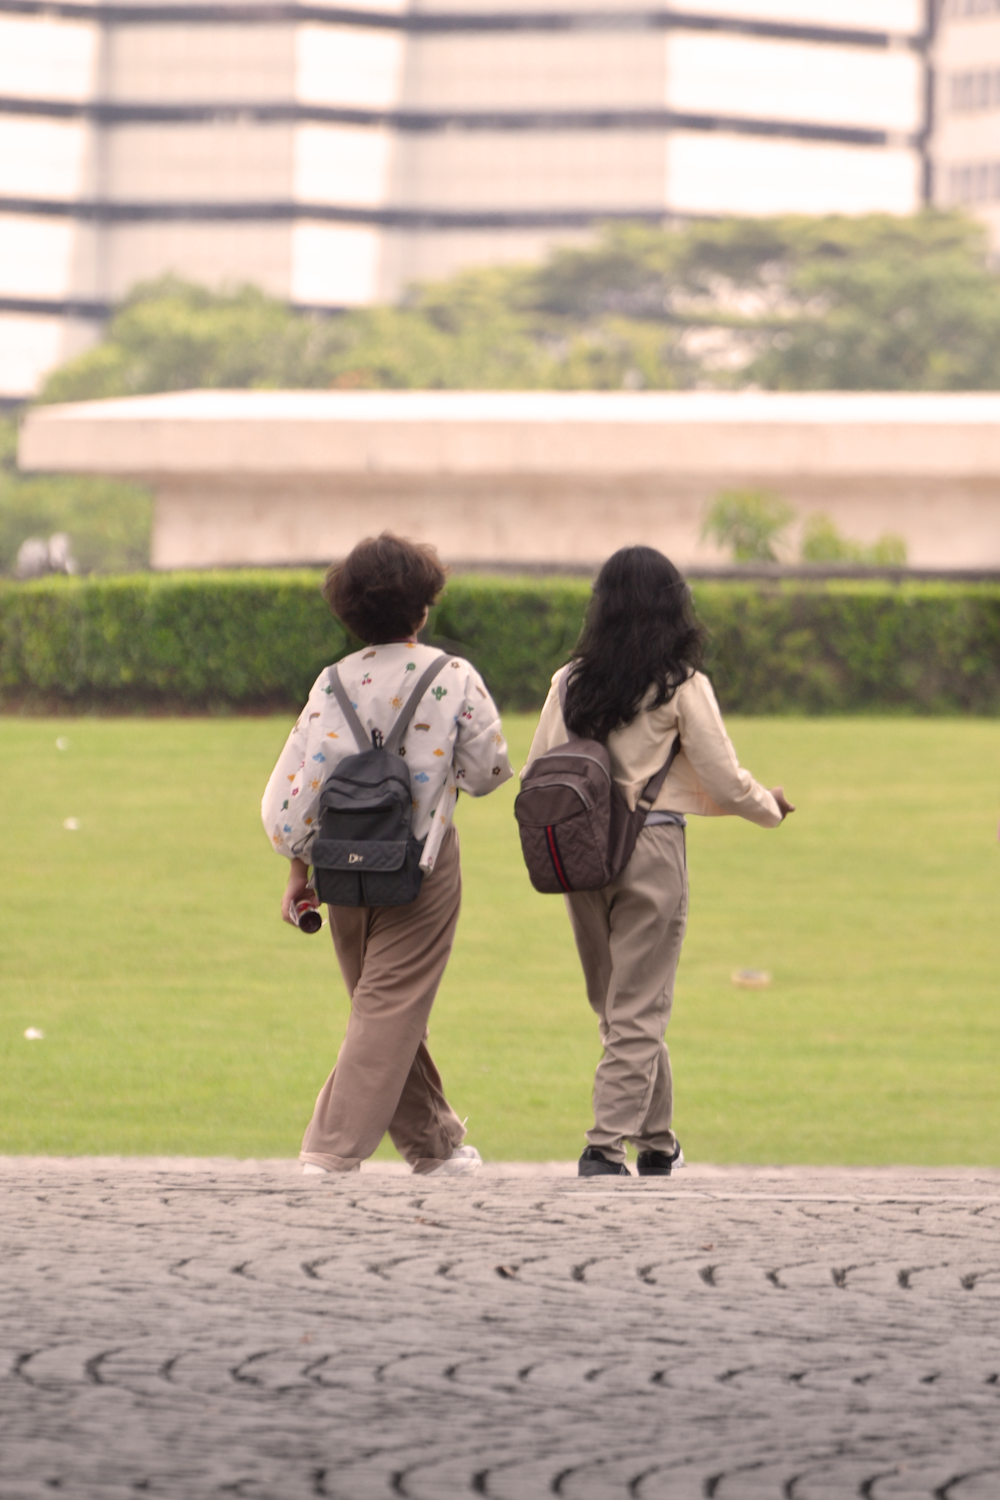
[(214, 1329)]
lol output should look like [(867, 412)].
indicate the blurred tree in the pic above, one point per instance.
[(169, 335), (109, 523), (749, 522), (823, 543), (873, 303)]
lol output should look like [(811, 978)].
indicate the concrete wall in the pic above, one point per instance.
[(535, 478), (204, 522)]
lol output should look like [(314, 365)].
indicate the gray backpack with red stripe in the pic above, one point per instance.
[(577, 831)]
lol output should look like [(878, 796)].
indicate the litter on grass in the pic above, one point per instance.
[(72, 824), (62, 743), (34, 1035), (751, 979)]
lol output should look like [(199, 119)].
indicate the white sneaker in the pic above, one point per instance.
[(310, 1169), (462, 1161)]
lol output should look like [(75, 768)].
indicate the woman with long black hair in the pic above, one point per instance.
[(635, 684)]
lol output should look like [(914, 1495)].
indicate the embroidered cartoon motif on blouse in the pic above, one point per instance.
[(439, 693), (366, 680), (396, 702)]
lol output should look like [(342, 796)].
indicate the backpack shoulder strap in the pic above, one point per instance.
[(563, 685), (654, 785), (395, 737), (349, 711)]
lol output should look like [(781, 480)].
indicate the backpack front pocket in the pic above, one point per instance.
[(358, 855)]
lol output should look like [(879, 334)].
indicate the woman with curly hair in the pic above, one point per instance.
[(392, 956)]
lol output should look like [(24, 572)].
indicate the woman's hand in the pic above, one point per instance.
[(784, 806), (298, 889)]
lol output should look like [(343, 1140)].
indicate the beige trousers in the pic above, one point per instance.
[(629, 937), (392, 959)]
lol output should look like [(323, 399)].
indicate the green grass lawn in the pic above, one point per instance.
[(181, 1016)]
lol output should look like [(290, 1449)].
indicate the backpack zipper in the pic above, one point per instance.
[(593, 761), (568, 785)]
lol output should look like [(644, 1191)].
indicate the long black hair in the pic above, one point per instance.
[(640, 632)]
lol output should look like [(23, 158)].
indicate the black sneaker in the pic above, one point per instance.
[(659, 1163), (594, 1163)]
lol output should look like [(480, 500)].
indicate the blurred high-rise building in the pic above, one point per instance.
[(966, 137), (333, 153)]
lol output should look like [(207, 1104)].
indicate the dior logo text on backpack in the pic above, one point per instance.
[(365, 853), (577, 832)]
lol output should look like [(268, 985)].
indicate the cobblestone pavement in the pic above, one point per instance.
[(229, 1329)]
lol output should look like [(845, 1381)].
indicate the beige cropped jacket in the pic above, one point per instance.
[(706, 778)]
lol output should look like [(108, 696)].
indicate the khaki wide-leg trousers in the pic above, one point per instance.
[(392, 959), (629, 937)]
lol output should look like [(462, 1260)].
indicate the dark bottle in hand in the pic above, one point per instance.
[(306, 917)]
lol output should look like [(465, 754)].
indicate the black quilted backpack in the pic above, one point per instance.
[(365, 853)]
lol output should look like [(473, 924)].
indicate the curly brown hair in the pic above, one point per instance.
[(383, 586)]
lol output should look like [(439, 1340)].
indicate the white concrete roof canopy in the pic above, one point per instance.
[(543, 432), (537, 477)]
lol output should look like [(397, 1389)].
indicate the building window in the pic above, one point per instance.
[(977, 182), (971, 91), (959, 9)]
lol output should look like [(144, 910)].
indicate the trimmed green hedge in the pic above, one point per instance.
[(857, 647), (197, 639), (256, 639)]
